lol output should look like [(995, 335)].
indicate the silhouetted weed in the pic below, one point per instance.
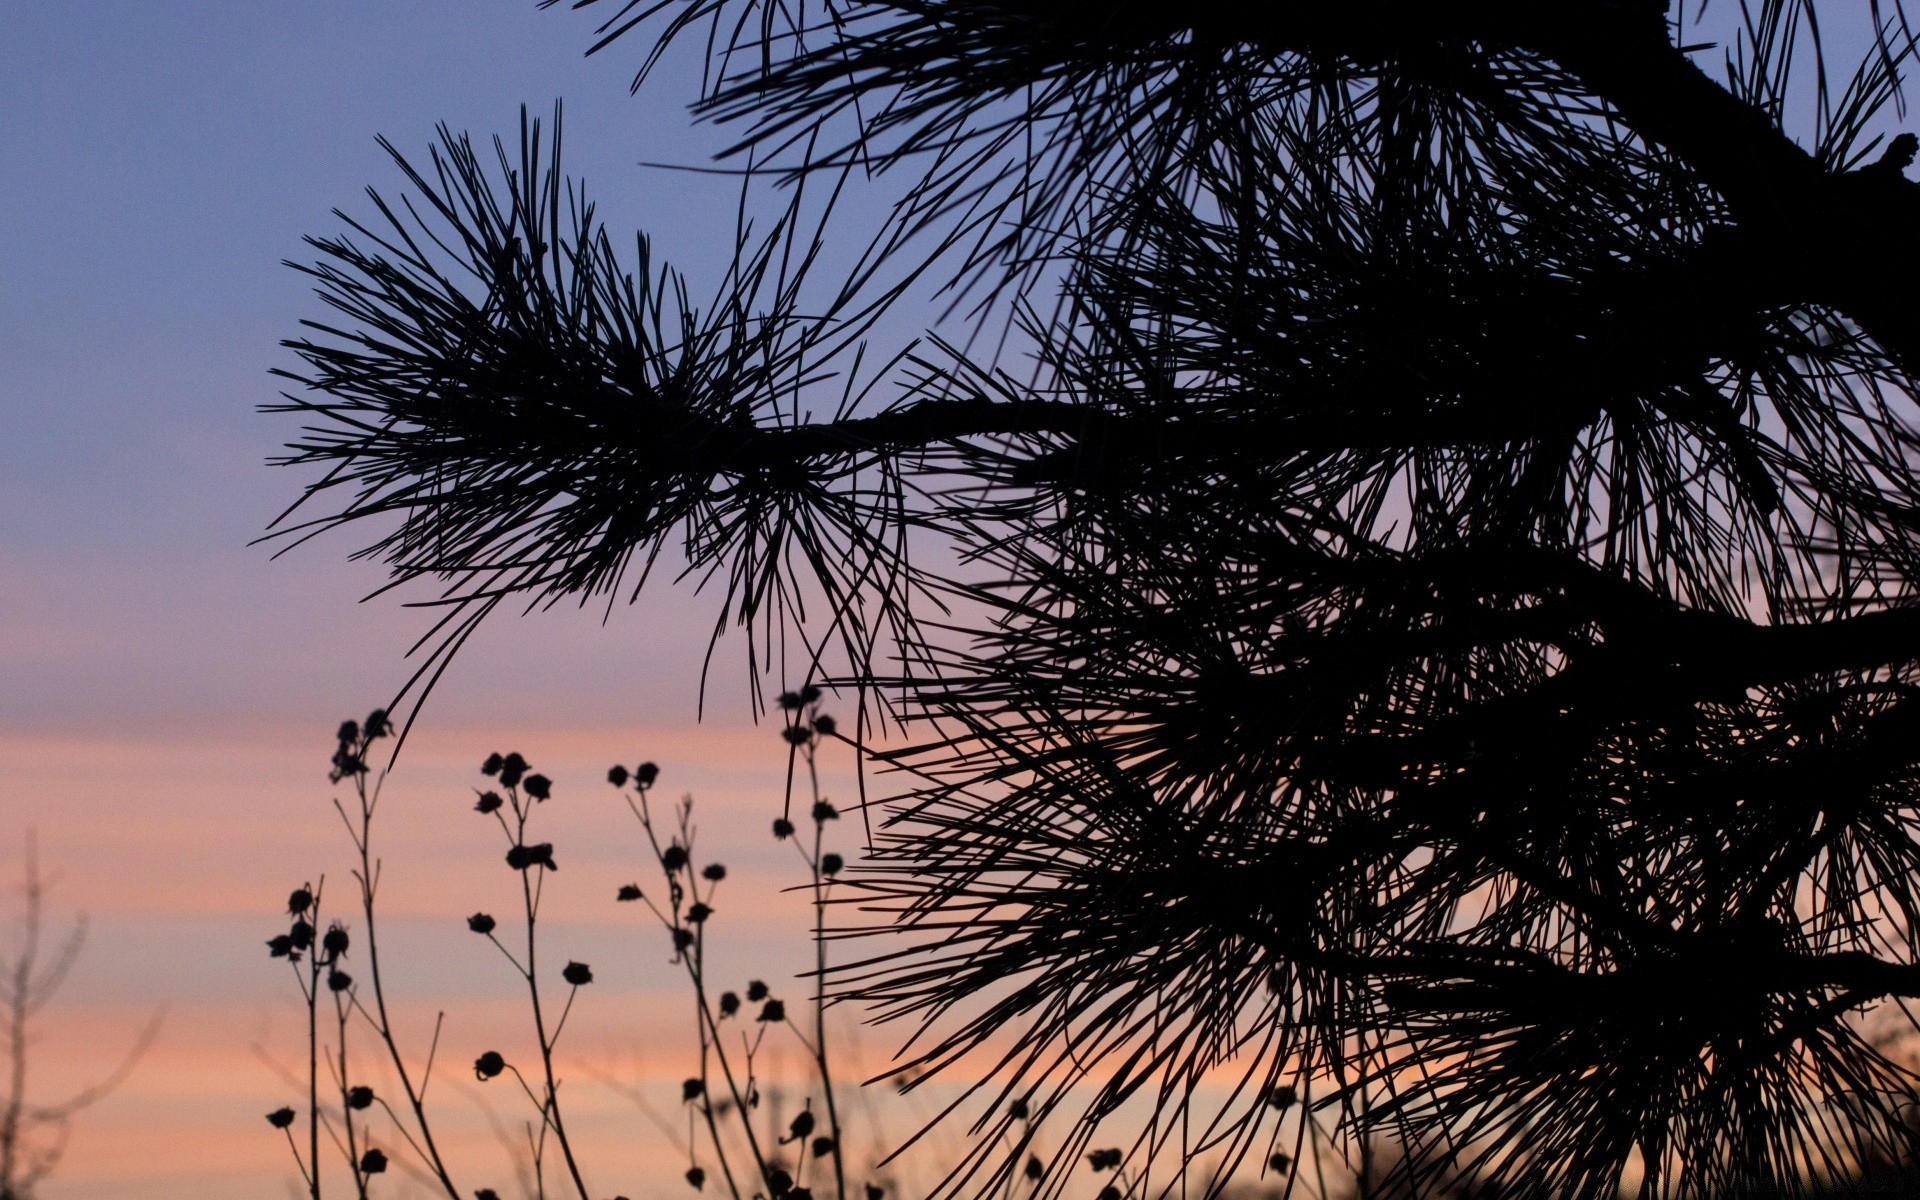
[(723, 1096)]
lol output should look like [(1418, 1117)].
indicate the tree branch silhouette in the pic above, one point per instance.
[(33, 1134), (1433, 629)]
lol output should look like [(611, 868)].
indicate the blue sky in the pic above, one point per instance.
[(160, 161), (166, 690)]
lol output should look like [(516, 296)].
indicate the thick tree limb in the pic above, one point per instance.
[(1806, 233)]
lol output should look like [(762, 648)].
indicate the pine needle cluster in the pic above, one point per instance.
[(1435, 627)]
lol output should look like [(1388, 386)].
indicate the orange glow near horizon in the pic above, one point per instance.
[(181, 846)]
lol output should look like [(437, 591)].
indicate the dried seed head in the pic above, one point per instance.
[(539, 787), (696, 1177), (782, 829), (628, 893), (512, 769), (280, 947), (713, 872), (480, 923), (299, 902), (824, 812), (825, 725), (729, 1004), (488, 802), (617, 776), (281, 1118), (692, 1089), (489, 1064), (645, 774), (831, 864), (578, 974), (492, 765), (339, 981), (360, 1097), (773, 1010), (674, 856), (373, 1162), (522, 858), (756, 991), (346, 763), (336, 941)]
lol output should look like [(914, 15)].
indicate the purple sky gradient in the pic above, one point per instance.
[(166, 690), (160, 162)]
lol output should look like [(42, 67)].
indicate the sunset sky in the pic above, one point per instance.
[(169, 689)]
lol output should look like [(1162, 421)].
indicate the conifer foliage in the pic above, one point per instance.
[(1435, 627)]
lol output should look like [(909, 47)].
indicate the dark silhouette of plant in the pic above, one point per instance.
[(33, 1134), (1434, 630), (725, 1093)]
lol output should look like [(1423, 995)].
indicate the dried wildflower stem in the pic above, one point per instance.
[(710, 1048), (310, 992), (306, 1176), (530, 902), (710, 1039), (368, 878), (20, 992), (693, 960), (340, 1011), (742, 1099), (398, 1124), (537, 1149), (29, 980), (821, 885), (707, 1040)]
